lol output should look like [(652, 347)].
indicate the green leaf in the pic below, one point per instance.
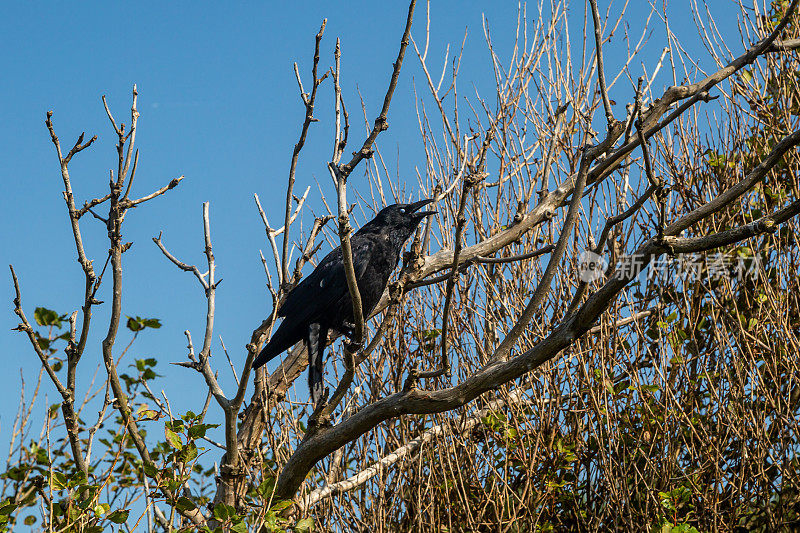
[(29, 520), (223, 512), (145, 413), (17, 473), (266, 487), (280, 505), (6, 510), (198, 431), (101, 509), (150, 470), (119, 517), (138, 323), (185, 504), (306, 525), (666, 501), (47, 317), (58, 482), (173, 438), (41, 457), (241, 527), (74, 512), (78, 478), (431, 333), (43, 342), (175, 425), (189, 452), (661, 525)]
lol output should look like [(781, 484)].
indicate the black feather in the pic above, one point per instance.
[(321, 302)]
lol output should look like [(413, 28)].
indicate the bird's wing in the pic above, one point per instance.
[(316, 296), (309, 299)]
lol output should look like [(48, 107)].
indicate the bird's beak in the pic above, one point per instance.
[(414, 208)]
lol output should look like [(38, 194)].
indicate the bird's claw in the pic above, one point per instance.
[(348, 329), (353, 346), (319, 404)]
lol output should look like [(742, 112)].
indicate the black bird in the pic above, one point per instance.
[(321, 302)]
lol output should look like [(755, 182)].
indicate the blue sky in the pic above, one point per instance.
[(219, 104)]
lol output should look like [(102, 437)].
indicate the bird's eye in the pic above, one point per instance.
[(402, 210)]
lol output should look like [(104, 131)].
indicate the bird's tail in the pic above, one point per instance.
[(282, 339), (316, 338)]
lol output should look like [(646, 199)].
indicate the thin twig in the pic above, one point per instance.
[(598, 41)]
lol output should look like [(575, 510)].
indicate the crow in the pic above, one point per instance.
[(321, 302)]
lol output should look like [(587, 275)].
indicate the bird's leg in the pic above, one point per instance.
[(411, 380), (317, 420)]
